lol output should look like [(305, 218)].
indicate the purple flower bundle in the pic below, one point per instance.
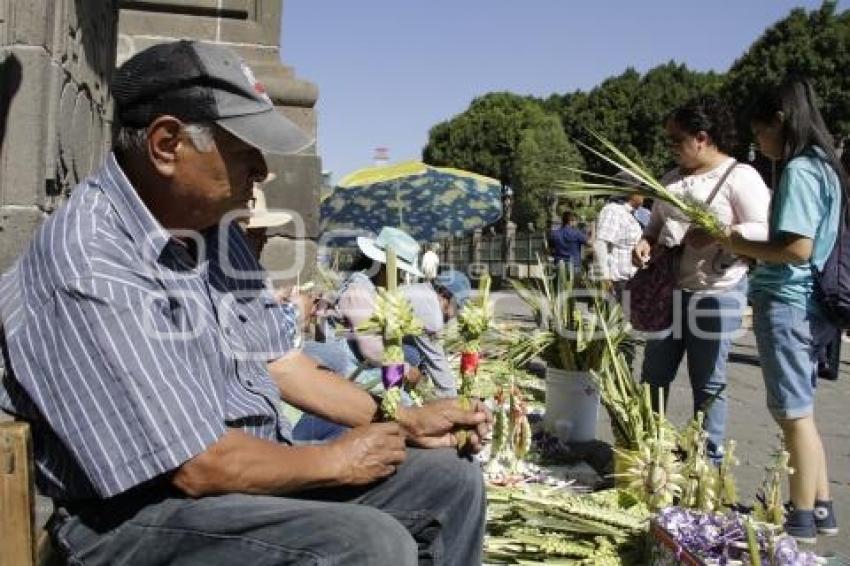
[(722, 539)]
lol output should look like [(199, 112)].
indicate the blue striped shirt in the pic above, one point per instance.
[(128, 353)]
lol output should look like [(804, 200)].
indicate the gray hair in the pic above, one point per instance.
[(129, 140)]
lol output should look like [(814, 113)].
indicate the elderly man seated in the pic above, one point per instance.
[(142, 345)]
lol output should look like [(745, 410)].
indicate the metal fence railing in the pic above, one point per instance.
[(501, 255)]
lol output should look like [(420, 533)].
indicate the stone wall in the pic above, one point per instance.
[(251, 28), (56, 62)]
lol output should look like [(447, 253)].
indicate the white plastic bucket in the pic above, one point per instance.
[(572, 405)]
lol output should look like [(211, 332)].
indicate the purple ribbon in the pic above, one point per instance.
[(392, 375)]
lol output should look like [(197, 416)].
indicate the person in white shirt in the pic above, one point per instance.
[(430, 262), (617, 233)]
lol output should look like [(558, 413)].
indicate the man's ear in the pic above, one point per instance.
[(164, 139)]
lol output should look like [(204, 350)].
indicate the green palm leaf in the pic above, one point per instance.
[(696, 211)]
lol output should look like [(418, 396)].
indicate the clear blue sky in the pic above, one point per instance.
[(388, 70)]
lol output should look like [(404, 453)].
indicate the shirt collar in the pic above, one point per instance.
[(143, 228)]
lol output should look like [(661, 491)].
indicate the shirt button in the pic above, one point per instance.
[(249, 383)]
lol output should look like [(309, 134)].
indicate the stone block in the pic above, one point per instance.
[(199, 7), (289, 261), (296, 189), (304, 118), (17, 225), (236, 21), (56, 127), (86, 33), (27, 22), (24, 73)]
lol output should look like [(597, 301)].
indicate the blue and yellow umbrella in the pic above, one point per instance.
[(422, 200)]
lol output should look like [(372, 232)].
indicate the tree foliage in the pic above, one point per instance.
[(516, 138), (629, 110), (815, 45), (485, 137), (540, 160), (511, 138)]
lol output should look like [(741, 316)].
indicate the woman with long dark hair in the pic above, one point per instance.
[(787, 319), (711, 285)]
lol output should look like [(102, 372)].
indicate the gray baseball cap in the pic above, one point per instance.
[(203, 82)]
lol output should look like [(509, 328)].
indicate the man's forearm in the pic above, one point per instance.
[(320, 392), (241, 463)]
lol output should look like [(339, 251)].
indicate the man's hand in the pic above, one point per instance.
[(413, 376), (641, 253), (732, 238), (305, 303), (369, 453), (432, 425)]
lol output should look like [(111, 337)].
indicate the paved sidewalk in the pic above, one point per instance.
[(750, 424)]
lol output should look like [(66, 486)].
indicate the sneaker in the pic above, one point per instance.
[(800, 524), (825, 518)]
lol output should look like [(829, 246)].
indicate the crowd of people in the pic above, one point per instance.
[(144, 344), (776, 244)]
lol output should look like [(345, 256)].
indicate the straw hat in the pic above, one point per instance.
[(260, 216)]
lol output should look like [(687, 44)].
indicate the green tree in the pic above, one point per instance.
[(812, 44), (660, 91), (541, 159), (604, 109), (484, 138), (511, 138), (629, 110)]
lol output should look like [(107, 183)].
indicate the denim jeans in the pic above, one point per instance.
[(703, 330), (431, 511), (311, 429)]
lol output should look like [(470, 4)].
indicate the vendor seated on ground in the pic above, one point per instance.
[(434, 304), (149, 356), (347, 350)]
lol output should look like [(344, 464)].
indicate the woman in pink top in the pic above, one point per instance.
[(712, 284)]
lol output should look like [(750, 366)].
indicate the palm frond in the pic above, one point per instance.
[(696, 211)]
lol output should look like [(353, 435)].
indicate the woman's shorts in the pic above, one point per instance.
[(787, 339)]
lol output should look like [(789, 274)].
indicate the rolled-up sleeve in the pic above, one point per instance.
[(798, 210), (277, 325), (124, 392), (750, 201)]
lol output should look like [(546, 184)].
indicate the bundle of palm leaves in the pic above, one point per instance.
[(637, 180), (574, 333), (393, 318)]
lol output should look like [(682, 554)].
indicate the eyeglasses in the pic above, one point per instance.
[(676, 140)]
